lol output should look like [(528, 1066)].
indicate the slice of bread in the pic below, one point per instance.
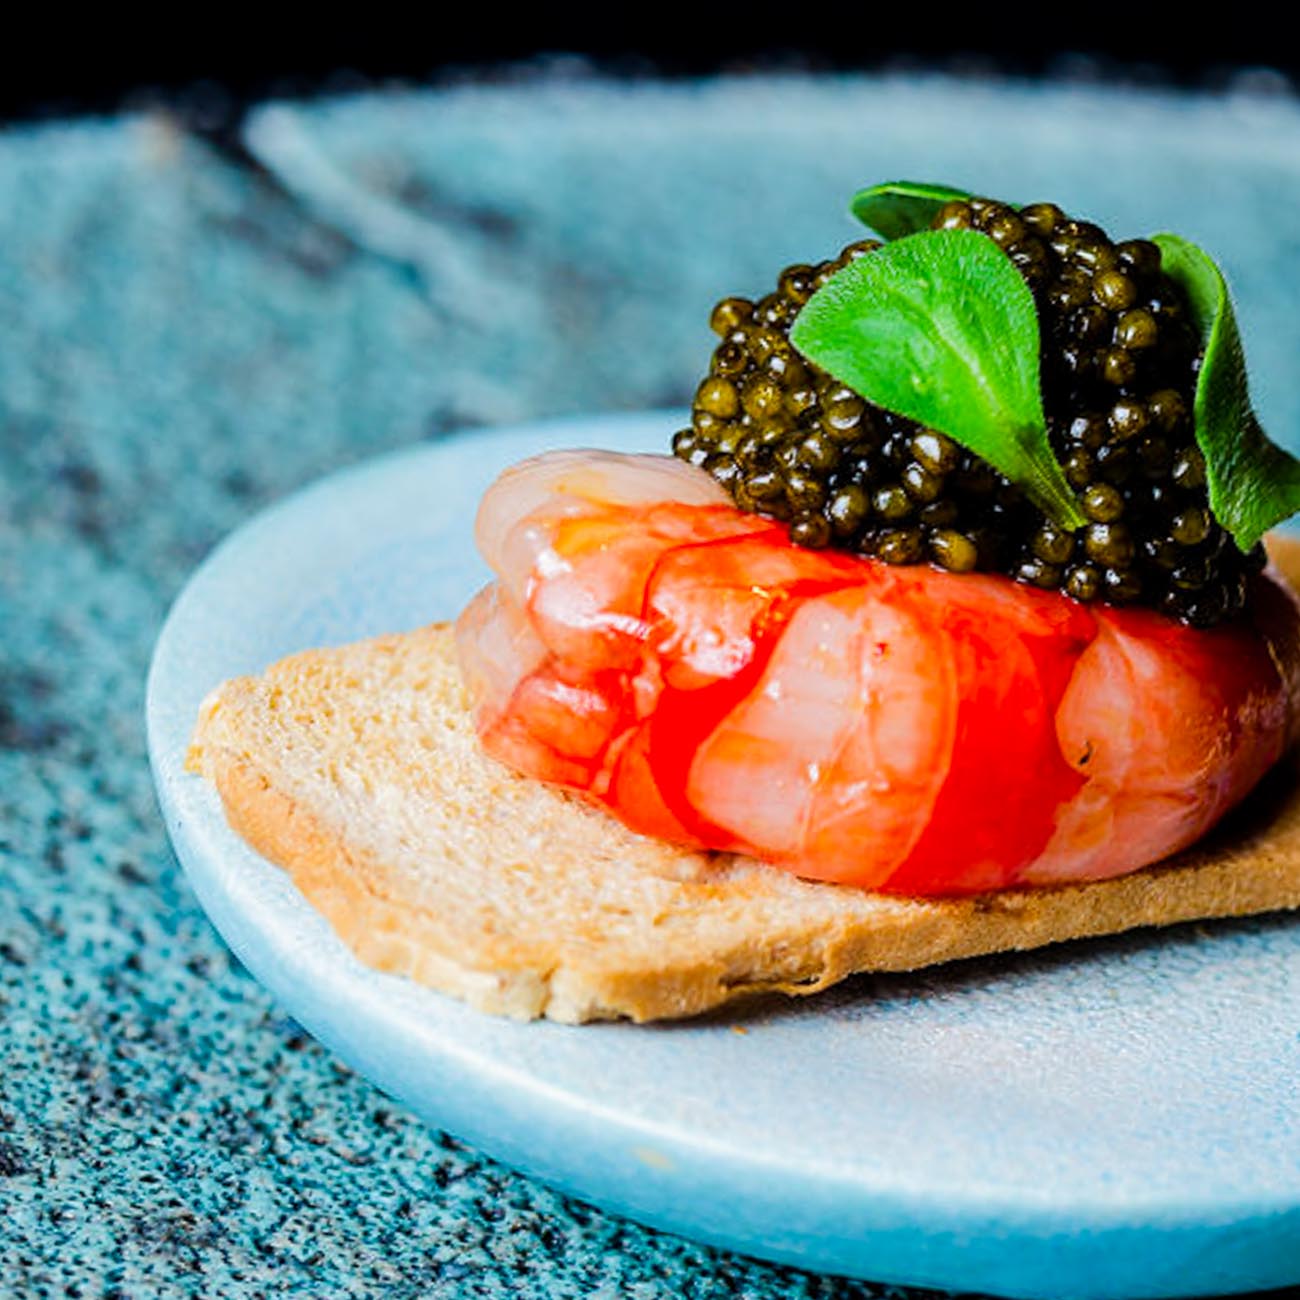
[(358, 770)]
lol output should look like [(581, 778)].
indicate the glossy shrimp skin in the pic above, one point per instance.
[(901, 729)]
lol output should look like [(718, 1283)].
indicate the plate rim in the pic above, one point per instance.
[(1189, 1215)]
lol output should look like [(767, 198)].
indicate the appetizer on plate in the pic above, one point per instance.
[(948, 619)]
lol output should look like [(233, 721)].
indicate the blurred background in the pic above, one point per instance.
[(236, 255)]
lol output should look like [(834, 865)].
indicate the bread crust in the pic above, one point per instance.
[(358, 771)]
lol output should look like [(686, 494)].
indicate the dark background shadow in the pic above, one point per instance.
[(212, 61)]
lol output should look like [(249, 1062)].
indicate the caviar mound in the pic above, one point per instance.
[(1119, 357)]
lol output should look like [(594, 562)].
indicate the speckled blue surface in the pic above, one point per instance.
[(183, 340)]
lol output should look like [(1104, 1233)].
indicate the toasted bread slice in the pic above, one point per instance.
[(358, 770)]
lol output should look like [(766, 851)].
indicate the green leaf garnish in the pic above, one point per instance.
[(940, 328), (897, 208), (1253, 482)]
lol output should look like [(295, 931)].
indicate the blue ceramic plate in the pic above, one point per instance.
[(1108, 1118)]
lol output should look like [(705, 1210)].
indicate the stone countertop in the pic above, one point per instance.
[(187, 332)]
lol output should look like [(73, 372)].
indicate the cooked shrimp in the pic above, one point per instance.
[(902, 729)]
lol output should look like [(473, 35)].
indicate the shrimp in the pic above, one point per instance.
[(908, 730)]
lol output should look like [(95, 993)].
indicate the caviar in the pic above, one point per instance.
[(1118, 369)]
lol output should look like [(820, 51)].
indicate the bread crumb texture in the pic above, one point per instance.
[(358, 770)]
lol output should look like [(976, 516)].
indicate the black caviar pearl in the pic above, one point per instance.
[(1083, 582), (818, 452), (1066, 295), (718, 397), (935, 451), (953, 550), (1117, 366), (1122, 586), (1188, 469), (823, 272), (1102, 503), (1038, 573), (1079, 467), (730, 314), (1168, 409), (842, 414), (922, 486), (1114, 290), (1042, 218), (765, 485), (775, 310), (762, 397), (1089, 231), (684, 443), (810, 530), (1139, 257), (1096, 255), (801, 400), (724, 469), (1190, 527), (729, 360), (708, 425), (796, 283), (1091, 430), (1127, 418), (1136, 329), (954, 215), (1109, 544), (1052, 545), (805, 492), (848, 510), (892, 502), (990, 211), (787, 369), (1064, 242), (1005, 228), (762, 341), (901, 546)]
